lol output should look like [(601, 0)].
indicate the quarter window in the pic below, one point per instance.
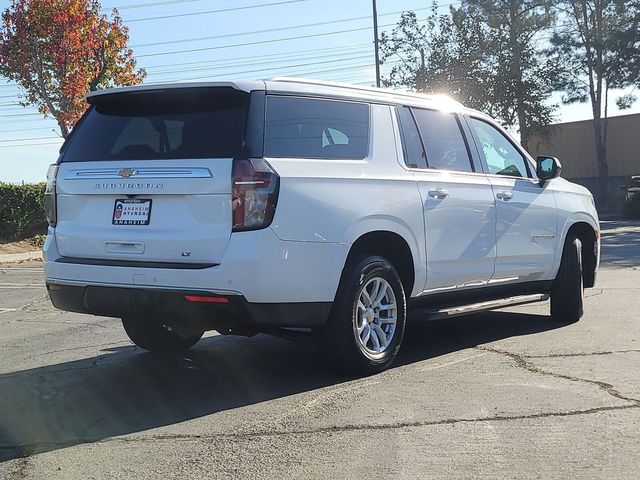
[(443, 141), (501, 157), (312, 128)]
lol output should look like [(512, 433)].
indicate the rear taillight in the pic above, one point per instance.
[(255, 194), (50, 196)]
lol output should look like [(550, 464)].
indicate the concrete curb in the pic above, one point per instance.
[(20, 257)]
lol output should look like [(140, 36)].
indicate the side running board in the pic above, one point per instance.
[(439, 313)]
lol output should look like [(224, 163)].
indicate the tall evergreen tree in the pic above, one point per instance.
[(486, 54), (598, 42)]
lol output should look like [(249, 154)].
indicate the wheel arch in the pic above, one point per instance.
[(586, 229), (392, 246)]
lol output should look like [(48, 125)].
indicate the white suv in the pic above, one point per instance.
[(286, 205)]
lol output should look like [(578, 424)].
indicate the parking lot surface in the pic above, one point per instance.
[(504, 394)]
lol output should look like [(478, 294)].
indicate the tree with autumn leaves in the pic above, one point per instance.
[(57, 50)]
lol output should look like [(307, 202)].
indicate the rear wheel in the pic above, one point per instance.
[(368, 318), (158, 337), (568, 290)]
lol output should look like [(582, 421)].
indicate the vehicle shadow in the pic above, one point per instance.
[(126, 390)]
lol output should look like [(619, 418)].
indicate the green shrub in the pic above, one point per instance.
[(21, 209)]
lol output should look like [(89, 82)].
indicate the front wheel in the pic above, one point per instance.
[(368, 318), (568, 289), (157, 336)]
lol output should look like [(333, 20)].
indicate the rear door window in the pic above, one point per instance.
[(443, 141), (298, 127), (179, 123)]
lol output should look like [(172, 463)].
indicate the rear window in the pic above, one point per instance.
[(181, 123), (313, 128)]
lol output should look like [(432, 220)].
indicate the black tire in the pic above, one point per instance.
[(568, 290), (340, 336), (157, 337)]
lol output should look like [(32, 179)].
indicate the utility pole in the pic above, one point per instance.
[(375, 42)]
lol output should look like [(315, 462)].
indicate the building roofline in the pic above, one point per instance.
[(591, 120)]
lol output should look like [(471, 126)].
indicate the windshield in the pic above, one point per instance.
[(182, 123)]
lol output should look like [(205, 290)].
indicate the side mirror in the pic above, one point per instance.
[(624, 188), (547, 168)]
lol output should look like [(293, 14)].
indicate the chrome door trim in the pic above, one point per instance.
[(138, 173)]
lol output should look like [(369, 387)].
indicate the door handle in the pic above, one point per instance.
[(506, 196), (439, 194)]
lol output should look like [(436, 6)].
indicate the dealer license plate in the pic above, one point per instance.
[(132, 211)]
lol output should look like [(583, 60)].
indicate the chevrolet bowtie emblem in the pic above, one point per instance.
[(127, 172)]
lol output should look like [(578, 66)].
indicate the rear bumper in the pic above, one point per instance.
[(257, 266), (227, 312)]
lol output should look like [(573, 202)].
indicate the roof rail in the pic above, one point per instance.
[(387, 91)]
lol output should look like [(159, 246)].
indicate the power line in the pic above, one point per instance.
[(298, 73), (246, 44), (232, 9), (270, 30), (150, 4), (25, 130), (360, 57), (273, 61), (29, 139), (30, 144), (270, 55), (18, 115), (11, 122)]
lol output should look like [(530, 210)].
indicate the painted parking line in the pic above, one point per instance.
[(21, 285), (22, 269)]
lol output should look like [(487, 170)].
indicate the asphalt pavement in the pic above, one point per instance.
[(505, 394)]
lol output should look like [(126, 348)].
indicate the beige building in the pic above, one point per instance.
[(574, 146)]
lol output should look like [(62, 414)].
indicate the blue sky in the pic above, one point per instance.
[(226, 47)]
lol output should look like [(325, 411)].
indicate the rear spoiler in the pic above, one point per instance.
[(242, 85)]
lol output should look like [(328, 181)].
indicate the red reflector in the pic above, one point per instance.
[(203, 299)]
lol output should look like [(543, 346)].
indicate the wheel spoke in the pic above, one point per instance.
[(374, 294), (381, 293), (366, 330), (367, 299), (389, 306), (375, 340), (360, 326), (382, 337), (391, 320)]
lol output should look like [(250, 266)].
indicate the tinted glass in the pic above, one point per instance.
[(185, 123), (414, 156), (501, 157), (311, 128), (443, 140)]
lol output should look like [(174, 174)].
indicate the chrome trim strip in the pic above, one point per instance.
[(138, 173)]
